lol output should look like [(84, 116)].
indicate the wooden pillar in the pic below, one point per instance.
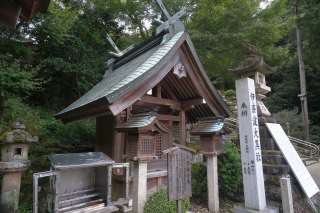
[(118, 141), (159, 90), (96, 144), (182, 128)]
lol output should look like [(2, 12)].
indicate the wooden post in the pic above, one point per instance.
[(182, 128), (179, 206), (159, 90)]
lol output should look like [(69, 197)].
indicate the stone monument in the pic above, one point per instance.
[(274, 164), (14, 162), (250, 91)]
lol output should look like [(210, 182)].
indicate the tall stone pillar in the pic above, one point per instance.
[(255, 68), (213, 188), (139, 193), (14, 161), (274, 164)]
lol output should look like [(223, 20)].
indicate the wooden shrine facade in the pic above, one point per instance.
[(167, 77)]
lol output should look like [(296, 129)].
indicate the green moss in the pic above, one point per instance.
[(272, 151), (248, 59), (193, 146), (4, 136), (281, 165)]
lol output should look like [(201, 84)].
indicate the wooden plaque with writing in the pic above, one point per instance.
[(179, 174)]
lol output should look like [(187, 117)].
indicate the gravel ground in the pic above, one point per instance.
[(198, 205)]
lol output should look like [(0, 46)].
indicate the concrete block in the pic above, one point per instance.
[(286, 195), (242, 209)]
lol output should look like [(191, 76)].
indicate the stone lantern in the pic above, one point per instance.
[(210, 130), (142, 127), (14, 161), (256, 69)]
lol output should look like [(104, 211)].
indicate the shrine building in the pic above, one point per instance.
[(159, 83)]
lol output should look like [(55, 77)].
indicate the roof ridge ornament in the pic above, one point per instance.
[(115, 55), (172, 26), (119, 53)]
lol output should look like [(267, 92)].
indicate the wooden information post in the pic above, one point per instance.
[(179, 173)]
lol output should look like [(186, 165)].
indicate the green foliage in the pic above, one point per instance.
[(25, 209), (158, 203), (75, 133), (199, 180), (230, 95), (229, 168), (193, 146), (229, 172), (294, 119), (221, 30), (40, 122)]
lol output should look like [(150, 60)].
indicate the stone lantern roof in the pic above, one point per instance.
[(18, 135), (252, 64)]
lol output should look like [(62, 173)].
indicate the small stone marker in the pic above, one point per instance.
[(253, 181), (286, 195), (179, 173)]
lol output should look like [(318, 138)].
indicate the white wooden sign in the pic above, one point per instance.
[(298, 168)]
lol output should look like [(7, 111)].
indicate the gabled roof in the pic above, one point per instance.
[(210, 126), (142, 122), (130, 71)]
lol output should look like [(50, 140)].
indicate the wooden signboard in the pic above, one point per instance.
[(179, 173)]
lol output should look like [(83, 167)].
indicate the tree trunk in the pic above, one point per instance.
[(2, 107), (304, 103)]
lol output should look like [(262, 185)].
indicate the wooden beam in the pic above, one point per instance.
[(135, 94), (198, 83), (161, 101), (189, 104), (182, 128), (167, 88), (159, 90), (169, 118)]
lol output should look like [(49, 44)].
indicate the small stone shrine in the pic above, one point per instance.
[(274, 164), (142, 127), (210, 130), (14, 162)]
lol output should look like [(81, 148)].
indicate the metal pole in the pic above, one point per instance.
[(35, 193), (108, 200), (56, 203), (127, 183)]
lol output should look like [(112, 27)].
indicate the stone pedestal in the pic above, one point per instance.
[(139, 194), (242, 209), (10, 191), (213, 188)]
